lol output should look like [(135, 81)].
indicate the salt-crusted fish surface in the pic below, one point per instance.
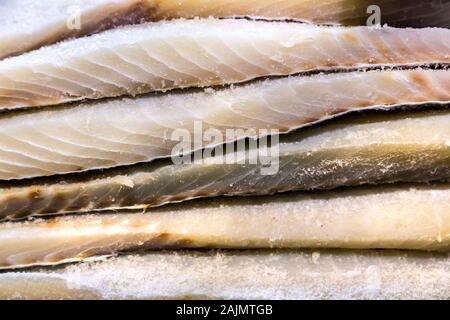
[(197, 53), (378, 217), (42, 142), (30, 24), (403, 147), (267, 274)]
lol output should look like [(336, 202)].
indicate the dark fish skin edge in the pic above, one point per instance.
[(401, 14), (319, 170), (395, 13)]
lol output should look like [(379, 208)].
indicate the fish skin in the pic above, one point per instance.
[(199, 53), (405, 13), (368, 150), (383, 217), (22, 32), (111, 133)]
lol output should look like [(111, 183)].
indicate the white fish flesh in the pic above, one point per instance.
[(365, 149), (197, 53), (30, 24), (105, 134), (381, 217), (271, 274), (60, 19)]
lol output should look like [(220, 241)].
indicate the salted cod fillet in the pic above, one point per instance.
[(379, 217), (30, 24), (61, 19), (42, 142), (402, 147), (268, 274), (197, 53), (405, 13)]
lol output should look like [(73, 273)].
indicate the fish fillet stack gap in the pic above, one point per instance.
[(340, 146)]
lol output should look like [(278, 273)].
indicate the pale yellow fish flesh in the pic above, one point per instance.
[(407, 217)]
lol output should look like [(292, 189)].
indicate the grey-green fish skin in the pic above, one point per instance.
[(403, 147)]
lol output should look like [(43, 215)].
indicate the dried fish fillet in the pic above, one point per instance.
[(382, 217), (127, 131), (405, 13), (30, 24), (273, 274), (377, 149), (190, 53), (61, 19)]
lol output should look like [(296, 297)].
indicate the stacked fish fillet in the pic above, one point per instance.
[(98, 200)]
